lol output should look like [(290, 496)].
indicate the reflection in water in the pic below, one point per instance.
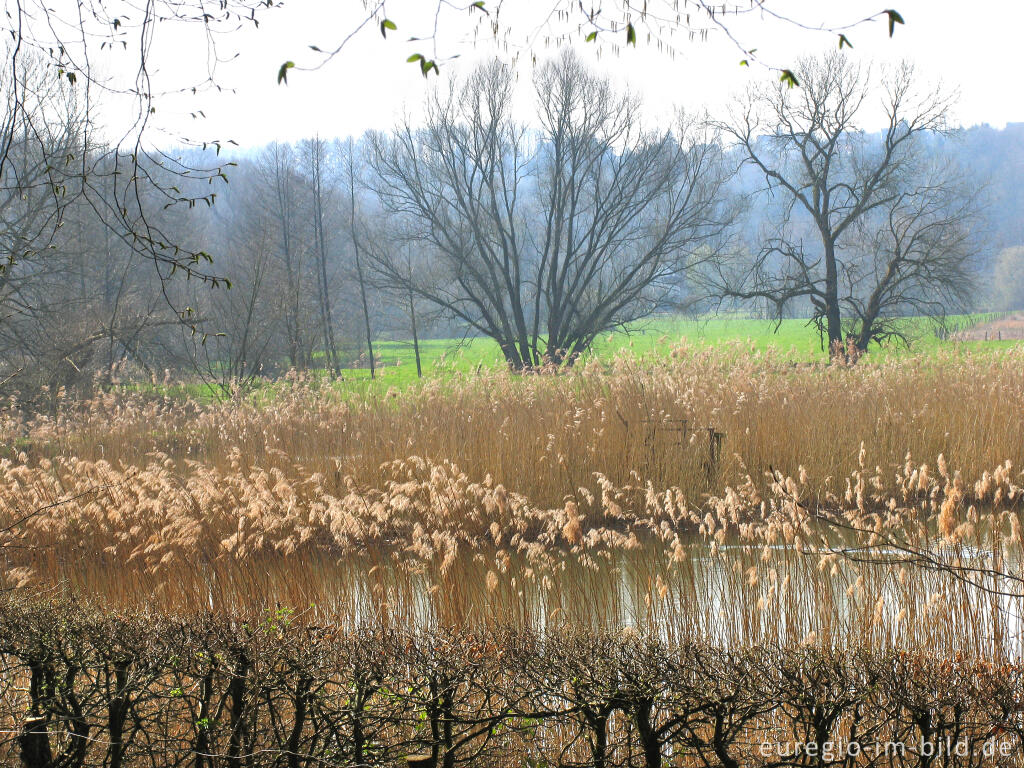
[(733, 594)]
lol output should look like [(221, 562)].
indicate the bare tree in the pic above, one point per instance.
[(280, 192), (916, 258), (542, 242), (105, 49), (71, 304), (355, 226), (407, 255), (396, 248), (315, 155), (867, 230), (249, 336), (43, 125)]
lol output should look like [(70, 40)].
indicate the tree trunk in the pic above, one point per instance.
[(366, 316), (202, 747), (415, 336), (598, 722), (330, 350), (721, 747), (117, 713), (645, 730), (293, 322), (35, 744), (295, 737), (236, 690), (833, 318), (354, 233)]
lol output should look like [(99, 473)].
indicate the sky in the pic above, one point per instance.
[(369, 84)]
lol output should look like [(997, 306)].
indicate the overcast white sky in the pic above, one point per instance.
[(369, 84)]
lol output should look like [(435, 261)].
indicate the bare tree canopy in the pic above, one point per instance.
[(544, 241), (105, 50), (869, 228), (43, 125)]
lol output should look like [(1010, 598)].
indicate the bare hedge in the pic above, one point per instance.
[(83, 687)]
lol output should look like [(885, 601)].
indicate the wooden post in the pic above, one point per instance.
[(650, 432), (425, 760), (714, 453), (35, 744)]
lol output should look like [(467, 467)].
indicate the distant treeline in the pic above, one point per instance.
[(472, 224)]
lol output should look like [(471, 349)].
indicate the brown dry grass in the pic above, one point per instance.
[(543, 499)]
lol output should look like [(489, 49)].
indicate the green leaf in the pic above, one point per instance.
[(789, 78), (282, 73), (479, 5), (414, 57), (744, 63), (385, 26), (630, 35), (592, 37), (894, 19), (117, 23), (844, 41)]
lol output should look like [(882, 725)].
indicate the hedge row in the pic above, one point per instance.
[(84, 688)]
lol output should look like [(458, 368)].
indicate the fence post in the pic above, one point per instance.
[(35, 744), (714, 453)]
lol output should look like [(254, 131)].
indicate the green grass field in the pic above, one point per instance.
[(396, 363), (442, 358)]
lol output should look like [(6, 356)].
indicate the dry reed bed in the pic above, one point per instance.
[(545, 436), (532, 500), (510, 461)]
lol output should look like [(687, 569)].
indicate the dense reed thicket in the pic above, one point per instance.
[(84, 687), (595, 497), (543, 437)]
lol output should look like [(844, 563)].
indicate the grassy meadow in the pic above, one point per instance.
[(451, 358), (793, 338)]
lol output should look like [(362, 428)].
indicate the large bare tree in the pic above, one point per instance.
[(43, 124), (917, 258), (867, 229), (544, 239)]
